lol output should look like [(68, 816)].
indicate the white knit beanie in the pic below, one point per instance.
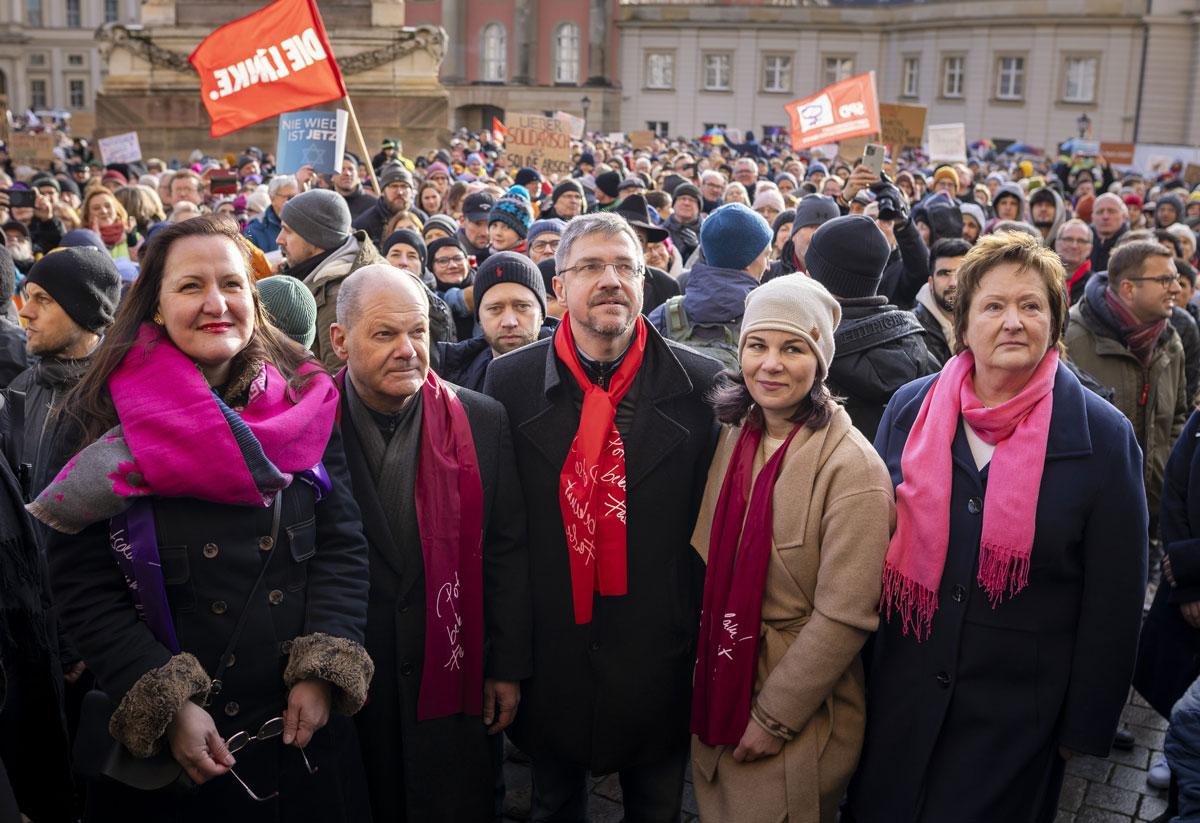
[(796, 304)]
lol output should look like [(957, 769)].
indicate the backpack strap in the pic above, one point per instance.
[(678, 326)]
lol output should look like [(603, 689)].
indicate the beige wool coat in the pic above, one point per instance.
[(833, 514)]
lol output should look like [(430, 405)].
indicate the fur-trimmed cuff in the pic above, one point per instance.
[(336, 660), (150, 705)]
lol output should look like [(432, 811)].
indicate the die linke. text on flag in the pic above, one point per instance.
[(275, 60), (848, 108)]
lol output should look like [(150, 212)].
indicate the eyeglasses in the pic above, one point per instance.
[(456, 260), (1164, 280), (271, 729), (593, 269), (545, 245), (1076, 241)]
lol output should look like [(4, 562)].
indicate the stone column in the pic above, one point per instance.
[(454, 66), (1192, 136), (598, 35), (524, 36)]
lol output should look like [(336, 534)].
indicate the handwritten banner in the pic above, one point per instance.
[(542, 143), (31, 149), (121, 148)]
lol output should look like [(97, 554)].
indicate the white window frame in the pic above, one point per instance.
[(777, 74), (660, 127), (836, 67), (566, 53), (910, 76), (493, 53), (954, 75), (666, 69), (1010, 77), (1080, 60), (717, 58)]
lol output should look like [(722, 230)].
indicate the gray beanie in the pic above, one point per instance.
[(798, 305), (291, 306), (319, 216)]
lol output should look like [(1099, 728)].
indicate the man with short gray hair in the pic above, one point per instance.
[(432, 469), (1073, 244), (610, 421), (264, 232)]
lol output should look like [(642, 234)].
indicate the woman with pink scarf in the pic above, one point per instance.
[(1014, 582), (208, 559)]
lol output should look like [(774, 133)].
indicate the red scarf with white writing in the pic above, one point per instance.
[(591, 486), (739, 550)]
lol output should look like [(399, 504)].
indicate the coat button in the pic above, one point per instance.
[(285, 647), (230, 660), (595, 646), (219, 607), (403, 608), (211, 550), (406, 669), (232, 708), (943, 680), (958, 593), (266, 543), (974, 505), (275, 597)]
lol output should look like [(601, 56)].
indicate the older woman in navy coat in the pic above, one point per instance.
[(1014, 649)]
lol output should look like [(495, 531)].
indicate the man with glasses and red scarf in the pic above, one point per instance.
[(608, 420)]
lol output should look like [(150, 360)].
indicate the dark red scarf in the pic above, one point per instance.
[(1139, 337), (591, 487), (1084, 269), (449, 500), (738, 555)]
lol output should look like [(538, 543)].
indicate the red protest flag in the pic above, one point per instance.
[(275, 60), (498, 131), (849, 108)]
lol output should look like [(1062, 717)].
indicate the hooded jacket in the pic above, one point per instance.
[(685, 236), (938, 326), (1009, 190), (1060, 214)]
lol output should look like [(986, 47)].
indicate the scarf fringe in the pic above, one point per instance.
[(1002, 570), (47, 516), (914, 603)]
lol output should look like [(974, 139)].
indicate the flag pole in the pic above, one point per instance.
[(362, 143)]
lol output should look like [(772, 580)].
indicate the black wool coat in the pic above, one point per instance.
[(615, 692), (967, 724), (440, 769)]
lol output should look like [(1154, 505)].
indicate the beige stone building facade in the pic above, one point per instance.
[(1011, 69)]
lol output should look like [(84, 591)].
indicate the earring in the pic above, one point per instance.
[(158, 319)]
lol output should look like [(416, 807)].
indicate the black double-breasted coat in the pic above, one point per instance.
[(967, 724), (440, 769), (615, 692)]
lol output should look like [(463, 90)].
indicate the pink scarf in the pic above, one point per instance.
[(739, 552), (1019, 429)]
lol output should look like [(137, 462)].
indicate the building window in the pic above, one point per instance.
[(78, 92), (711, 126), (838, 68), (953, 71), (74, 19), (660, 127), (718, 71), (660, 70), (1080, 80), (566, 54), (74, 59), (33, 13), (37, 59), (37, 95), (111, 11), (777, 73), (495, 53), (911, 77), (1010, 78)]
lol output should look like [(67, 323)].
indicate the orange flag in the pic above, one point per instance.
[(499, 133), (849, 108), (275, 60)]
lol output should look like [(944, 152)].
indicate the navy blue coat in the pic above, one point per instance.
[(966, 725)]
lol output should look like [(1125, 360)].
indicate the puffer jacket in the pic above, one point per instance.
[(264, 232), (878, 349)]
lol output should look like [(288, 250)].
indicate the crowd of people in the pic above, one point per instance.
[(843, 487)]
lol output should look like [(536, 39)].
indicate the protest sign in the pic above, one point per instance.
[(574, 124), (902, 125), (948, 143), (120, 148), (846, 109), (275, 60), (311, 138), (641, 138), (31, 149), (1117, 154), (542, 143)]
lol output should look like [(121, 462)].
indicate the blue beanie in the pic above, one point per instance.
[(553, 225), (733, 236), (513, 210)]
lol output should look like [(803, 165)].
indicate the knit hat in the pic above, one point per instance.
[(82, 237), (245, 160), (632, 182), (688, 190), (672, 182), (946, 173), (435, 168), (437, 245), (439, 221), (527, 175), (815, 209), (393, 173), (797, 305), (550, 224), (1170, 200), (609, 182), (319, 216), (409, 238), (84, 281), (785, 217), (570, 184), (477, 206), (509, 267), (769, 198), (973, 211), (587, 158), (549, 269), (513, 210), (814, 168), (786, 175), (1084, 206), (847, 255), (291, 306), (113, 174), (733, 236)]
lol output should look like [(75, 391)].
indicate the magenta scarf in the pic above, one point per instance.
[(1019, 429), (738, 555)]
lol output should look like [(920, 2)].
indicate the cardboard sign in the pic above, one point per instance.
[(948, 143), (1118, 154), (642, 139), (542, 143), (311, 138), (120, 148), (902, 125), (574, 124), (852, 149), (846, 109), (31, 149)]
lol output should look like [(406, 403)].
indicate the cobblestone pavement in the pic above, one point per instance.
[(1111, 790)]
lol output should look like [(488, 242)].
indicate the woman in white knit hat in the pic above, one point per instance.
[(794, 526)]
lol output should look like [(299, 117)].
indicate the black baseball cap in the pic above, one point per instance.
[(477, 206)]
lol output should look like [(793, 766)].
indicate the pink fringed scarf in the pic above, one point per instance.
[(1019, 429)]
